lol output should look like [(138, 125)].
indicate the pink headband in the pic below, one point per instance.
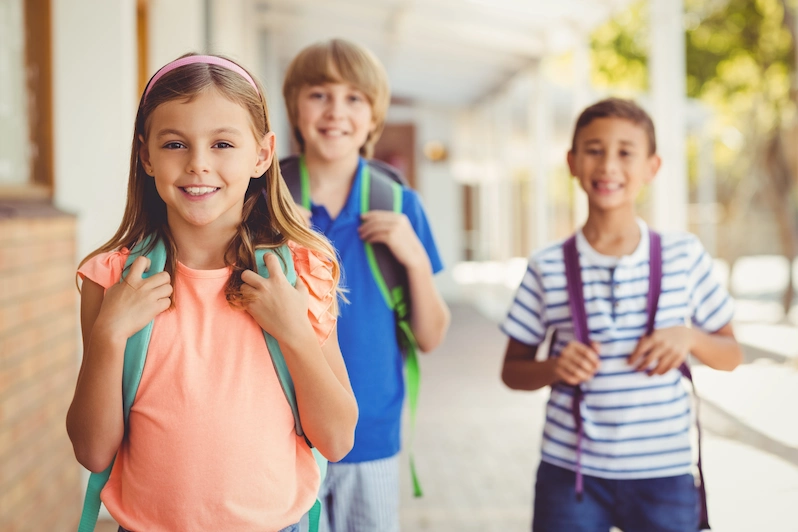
[(192, 59)]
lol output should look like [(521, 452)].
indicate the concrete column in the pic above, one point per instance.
[(707, 195), (582, 98), (540, 122), (502, 131), (176, 27), (233, 30), (667, 75), (271, 74), (488, 193), (95, 96), (94, 105)]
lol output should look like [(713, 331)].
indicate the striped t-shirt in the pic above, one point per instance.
[(635, 425)]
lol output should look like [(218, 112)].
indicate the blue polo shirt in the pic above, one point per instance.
[(366, 327)]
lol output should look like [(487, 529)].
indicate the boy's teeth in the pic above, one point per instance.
[(199, 191), (609, 186)]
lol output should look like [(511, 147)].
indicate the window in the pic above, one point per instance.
[(25, 99)]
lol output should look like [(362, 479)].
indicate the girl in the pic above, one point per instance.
[(210, 442)]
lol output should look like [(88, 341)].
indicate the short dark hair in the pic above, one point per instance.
[(617, 108)]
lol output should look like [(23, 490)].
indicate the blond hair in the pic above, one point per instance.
[(339, 61), (269, 217)]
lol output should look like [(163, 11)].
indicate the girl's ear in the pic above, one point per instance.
[(265, 155), (144, 156)]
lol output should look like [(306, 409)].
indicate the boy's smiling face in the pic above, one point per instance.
[(612, 162), (334, 119)]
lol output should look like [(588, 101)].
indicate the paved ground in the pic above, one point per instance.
[(477, 442)]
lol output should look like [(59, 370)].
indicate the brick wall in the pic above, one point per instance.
[(40, 484)]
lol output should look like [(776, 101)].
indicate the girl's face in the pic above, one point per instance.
[(202, 155), (335, 120)]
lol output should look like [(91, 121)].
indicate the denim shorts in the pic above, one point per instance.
[(292, 528), (667, 504)]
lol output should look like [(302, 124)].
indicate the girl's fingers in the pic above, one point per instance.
[(273, 266), (251, 278), (137, 269), (301, 286), (163, 291)]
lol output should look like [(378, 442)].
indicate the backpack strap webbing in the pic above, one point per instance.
[(136, 355), (380, 189), (380, 192), (133, 367), (576, 301)]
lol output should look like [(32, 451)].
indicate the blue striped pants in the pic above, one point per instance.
[(361, 497)]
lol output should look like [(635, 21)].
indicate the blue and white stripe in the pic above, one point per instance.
[(636, 426)]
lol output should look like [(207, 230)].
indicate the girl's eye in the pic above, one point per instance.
[(173, 145), (355, 98), (223, 145), (316, 95), (625, 154)]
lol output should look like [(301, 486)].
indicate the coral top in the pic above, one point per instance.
[(211, 442)]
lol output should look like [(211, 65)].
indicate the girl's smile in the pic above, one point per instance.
[(202, 155)]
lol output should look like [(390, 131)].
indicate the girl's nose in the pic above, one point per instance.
[(198, 163)]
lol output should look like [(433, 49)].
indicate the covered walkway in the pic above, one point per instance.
[(478, 442)]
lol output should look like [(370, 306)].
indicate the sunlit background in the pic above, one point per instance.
[(485, 95)]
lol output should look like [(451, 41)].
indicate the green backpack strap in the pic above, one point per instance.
[(280, 367), (380, 192), (135, 356), (380, 189)]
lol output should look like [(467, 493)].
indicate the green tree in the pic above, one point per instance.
[(740, 57)]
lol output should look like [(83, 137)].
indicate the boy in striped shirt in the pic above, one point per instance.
[(634, 458)]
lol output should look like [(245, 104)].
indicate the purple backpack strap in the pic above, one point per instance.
[(654, 290), (576, 302)]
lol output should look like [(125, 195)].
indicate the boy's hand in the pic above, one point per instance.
[(663, 350), (133, 302), (395, 231), (577, 363), (306, 214), (279, 308)]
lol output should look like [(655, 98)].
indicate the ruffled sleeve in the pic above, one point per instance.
[(316, 272), (105, 269)]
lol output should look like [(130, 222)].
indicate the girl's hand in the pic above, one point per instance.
[(279, 308), (663, 350), (133, 302), (395, 231), (577, 363)]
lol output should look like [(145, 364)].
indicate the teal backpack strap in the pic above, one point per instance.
[(135, 356), (391, 279), (280, 367), (284, 254)]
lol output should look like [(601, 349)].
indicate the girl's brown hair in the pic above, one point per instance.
[(339, 61), (269, 216)]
